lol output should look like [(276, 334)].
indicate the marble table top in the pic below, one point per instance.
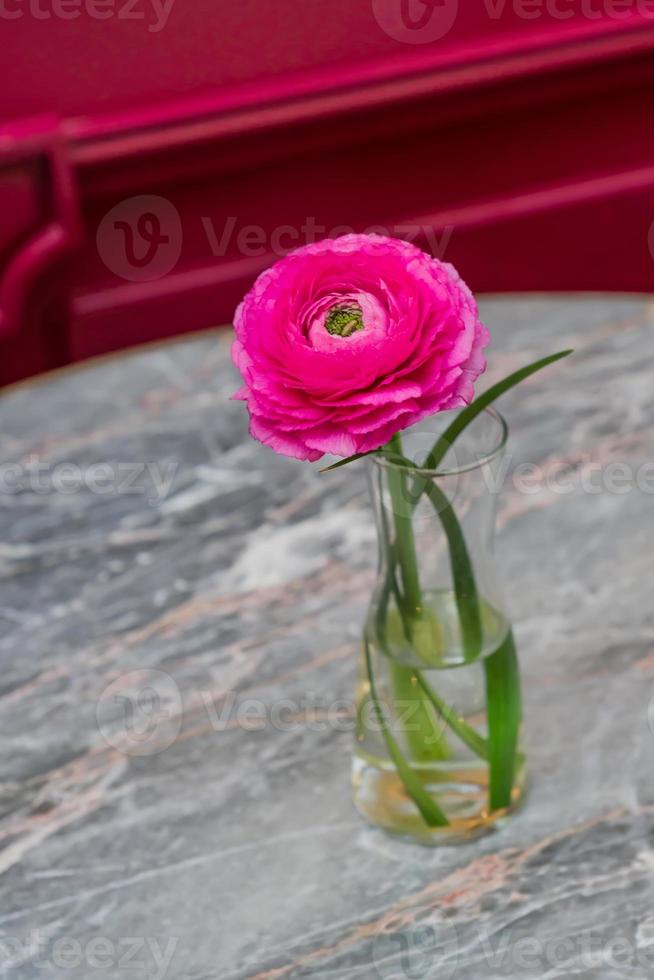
[(179, 618)]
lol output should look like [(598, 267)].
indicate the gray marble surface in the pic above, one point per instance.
[(179, 616)]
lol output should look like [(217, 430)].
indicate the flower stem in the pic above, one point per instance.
[(468, 735), (405, 545), (424, 736), (424, 739), (463, 576)]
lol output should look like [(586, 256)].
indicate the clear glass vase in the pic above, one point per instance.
[(438, 754)]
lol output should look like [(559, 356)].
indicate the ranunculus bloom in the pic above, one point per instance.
[(344, 342)]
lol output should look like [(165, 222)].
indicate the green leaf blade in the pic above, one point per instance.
[(474, 741), (463, 576), (344, 462), (468, 414), (427, 806), (504, 713)]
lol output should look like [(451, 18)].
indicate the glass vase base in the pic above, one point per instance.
[(460, 791)]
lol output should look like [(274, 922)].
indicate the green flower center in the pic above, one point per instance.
[(344, 320)]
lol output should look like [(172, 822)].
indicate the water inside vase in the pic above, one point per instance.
[(449, 766), (436, 637)]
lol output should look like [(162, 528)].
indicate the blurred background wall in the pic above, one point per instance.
[(155, 155)]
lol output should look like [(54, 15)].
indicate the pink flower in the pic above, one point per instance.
[(345, 342)]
